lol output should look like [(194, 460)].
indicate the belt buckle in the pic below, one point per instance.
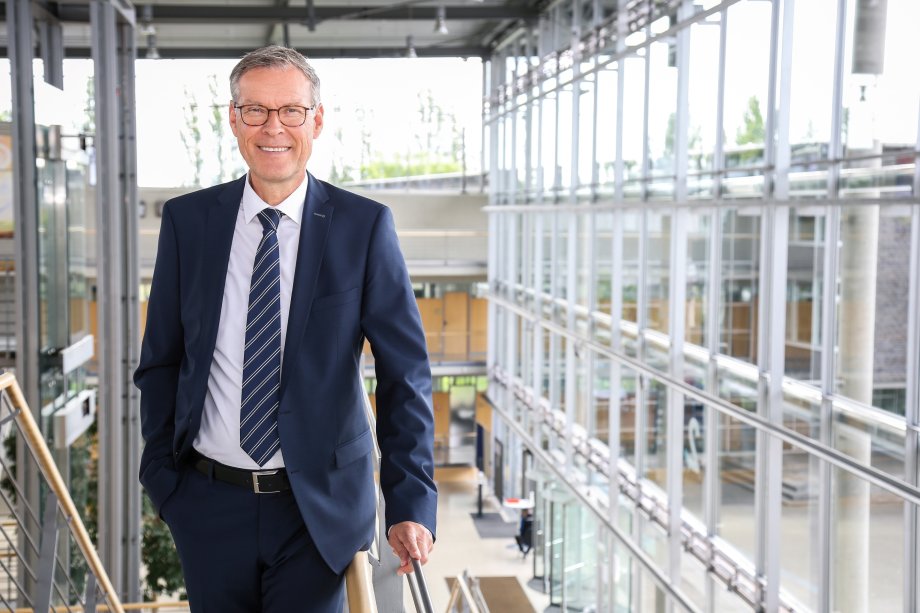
[(255, 479)]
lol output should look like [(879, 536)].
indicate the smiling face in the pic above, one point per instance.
[(276, 154)]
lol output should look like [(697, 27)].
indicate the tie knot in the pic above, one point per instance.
[(270, 218)]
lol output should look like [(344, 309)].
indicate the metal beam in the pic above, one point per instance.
[(256, 14), (181, 53)]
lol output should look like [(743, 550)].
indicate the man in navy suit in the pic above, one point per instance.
[(258, 450)]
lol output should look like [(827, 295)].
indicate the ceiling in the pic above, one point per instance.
[(318, 28)]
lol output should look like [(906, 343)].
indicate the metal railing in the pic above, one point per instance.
[(40, 570), (465, 595)]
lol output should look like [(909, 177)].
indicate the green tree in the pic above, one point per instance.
[(752, 128), (217, 121), (191, 135), (89, 107)]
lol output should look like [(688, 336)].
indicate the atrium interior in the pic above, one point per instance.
[(671, 298)]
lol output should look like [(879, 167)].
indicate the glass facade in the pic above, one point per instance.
[(704, 316)]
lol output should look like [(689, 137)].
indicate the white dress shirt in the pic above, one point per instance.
[(219, 436)]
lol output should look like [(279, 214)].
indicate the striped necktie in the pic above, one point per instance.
[(262, 354)]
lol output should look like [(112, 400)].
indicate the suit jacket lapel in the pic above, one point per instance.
[(314, 228), (218, 237)]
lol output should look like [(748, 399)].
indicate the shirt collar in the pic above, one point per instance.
[(292, 206)]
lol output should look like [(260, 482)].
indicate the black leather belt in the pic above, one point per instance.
[(269, 481)]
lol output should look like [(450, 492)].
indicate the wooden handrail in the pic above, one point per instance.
[(36, 442), (359, 586)]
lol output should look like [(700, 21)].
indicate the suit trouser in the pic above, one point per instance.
[(246, 552)]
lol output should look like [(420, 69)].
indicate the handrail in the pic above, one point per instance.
[(36, 442), (419, 588), (466, 589), (359, 585)]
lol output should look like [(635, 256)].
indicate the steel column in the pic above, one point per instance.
[(133, 509), (20, 30), (48, 555), (51, 45), (116, 205)]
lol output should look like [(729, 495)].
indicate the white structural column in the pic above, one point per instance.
[(912, 414), (821, 542), (711, 417), (772, 300), (677, 292), (912, 408), (854, 373)]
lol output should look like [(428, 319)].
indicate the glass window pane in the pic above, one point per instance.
[(586, 136), (548, 142), (740, 278), (799, 530), (702, 96), (697, 311), (658, 275), (805, 288), (662, 117), (693, 460), (868, 546), (633, 120), (564, 142), (655, 460), (606, 129), (737, 447), (631, 230), (747, 67)]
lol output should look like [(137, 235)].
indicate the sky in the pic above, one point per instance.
[(388, 89)]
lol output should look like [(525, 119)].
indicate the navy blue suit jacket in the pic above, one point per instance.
[(350, 283)]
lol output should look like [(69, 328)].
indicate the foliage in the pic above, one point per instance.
[(191, 136), (164, 572), (381, 169), (89, 106), (9, 451), (437, 144), (217, 120), (752, 128)]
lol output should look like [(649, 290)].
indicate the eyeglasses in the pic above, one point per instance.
[(291, 115)]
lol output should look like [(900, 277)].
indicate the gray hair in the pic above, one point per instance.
[(273, 56)]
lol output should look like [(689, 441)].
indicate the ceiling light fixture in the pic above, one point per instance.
[(150, 31), (410, 48), (440, 23), (152, 52)]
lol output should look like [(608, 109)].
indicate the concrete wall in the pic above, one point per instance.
[(443, 235)]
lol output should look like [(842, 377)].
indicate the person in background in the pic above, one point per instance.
[(524, 538)]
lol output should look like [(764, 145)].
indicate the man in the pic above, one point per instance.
[(258, 451)]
